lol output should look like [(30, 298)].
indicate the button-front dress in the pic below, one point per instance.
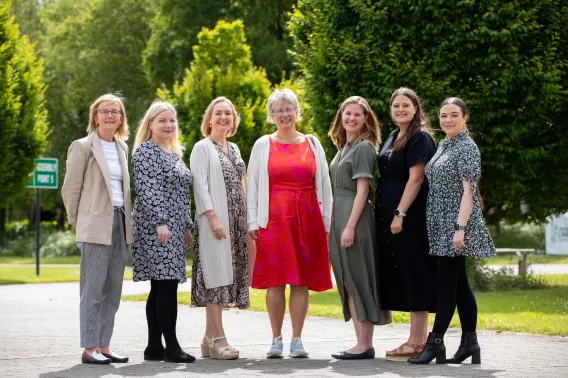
[(407, 272), (456, 160), (292, 249), (357, 266)]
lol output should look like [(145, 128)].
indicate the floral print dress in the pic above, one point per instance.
[(162, 181), (237, 293), (456, 160)]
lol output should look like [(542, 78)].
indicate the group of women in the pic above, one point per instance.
[(277, 222)]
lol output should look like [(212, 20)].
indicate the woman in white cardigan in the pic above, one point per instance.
[(220, 260), (289, 214)]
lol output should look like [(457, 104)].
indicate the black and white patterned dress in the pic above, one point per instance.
[(457, 159), (238, 293), (162, 181)]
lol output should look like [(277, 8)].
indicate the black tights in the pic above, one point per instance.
[(453, 288), (161, 314)]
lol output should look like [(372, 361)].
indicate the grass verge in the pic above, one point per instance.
[(531, 311)]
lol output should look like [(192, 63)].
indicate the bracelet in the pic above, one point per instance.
[(210, 215)]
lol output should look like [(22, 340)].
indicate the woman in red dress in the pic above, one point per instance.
[(289, 214)]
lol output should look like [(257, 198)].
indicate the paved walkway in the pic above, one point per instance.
[(39, 331), (536, 268)]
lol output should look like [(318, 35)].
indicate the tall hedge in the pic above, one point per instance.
[(507, 59), (23, 126)]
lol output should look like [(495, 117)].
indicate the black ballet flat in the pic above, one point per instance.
[(369, 354)]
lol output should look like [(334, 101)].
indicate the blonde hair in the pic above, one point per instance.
[(286, 95), (121, 132), (206, 123), (144, 132), (369, 131)]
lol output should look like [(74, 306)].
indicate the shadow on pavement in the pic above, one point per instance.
[(273, 367)]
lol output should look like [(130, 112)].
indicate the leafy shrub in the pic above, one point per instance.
[(483, 278)]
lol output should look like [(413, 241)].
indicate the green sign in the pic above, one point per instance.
[(45, 174)]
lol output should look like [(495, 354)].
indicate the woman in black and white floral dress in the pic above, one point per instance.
[(456, 230), (162, 226)]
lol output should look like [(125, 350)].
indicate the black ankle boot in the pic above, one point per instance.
[(468, 347), (434, 348), (178, 356)]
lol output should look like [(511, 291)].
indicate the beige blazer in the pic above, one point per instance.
[(87, 191)]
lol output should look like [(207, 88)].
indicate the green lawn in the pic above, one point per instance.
[(42, 260), (20, 274), (511, 258), (532, 311)]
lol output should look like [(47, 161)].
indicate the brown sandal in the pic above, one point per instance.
[(399, 355)]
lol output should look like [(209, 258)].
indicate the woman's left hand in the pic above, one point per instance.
[(347, 237), (459, 243), (396, 225), (188, 239)]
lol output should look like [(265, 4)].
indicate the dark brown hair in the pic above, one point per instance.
[(463, 107), (419, 121)]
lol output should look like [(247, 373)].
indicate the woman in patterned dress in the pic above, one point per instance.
[(289, 214), (162, 226), (220, 260), (456, 230)]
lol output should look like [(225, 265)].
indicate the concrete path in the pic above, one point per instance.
[(537, 269), (39, 330)]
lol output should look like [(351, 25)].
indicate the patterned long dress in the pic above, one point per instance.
[(237, 293), (162, 185)]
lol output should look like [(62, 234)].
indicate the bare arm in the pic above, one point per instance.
[(411, 190), (348, 235)]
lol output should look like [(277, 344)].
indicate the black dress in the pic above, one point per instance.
[(407, 273)]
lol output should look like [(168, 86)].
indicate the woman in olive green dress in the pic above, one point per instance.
[(355, 132)]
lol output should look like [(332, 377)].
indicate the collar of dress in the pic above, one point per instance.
[(461, 136)]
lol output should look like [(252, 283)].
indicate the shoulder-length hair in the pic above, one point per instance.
[(144, 132), (121, 132), (419, 121), (206, 123), (370, 130)]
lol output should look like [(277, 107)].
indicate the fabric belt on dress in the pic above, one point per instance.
[(297, 193), (340, 192)]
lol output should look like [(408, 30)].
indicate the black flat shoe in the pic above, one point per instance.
[(153, 354), (366, 355), (180, 357)]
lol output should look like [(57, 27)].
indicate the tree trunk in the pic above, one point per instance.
[(2, 225)]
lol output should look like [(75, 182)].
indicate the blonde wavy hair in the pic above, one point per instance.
[(144, 132), (370, 130), (121, 132), (206, 123)]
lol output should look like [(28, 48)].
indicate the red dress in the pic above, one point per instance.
[(292, 249)]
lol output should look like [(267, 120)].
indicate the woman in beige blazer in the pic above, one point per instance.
[(96, 194), (220, 256)]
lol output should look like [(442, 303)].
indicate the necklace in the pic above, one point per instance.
[(218, 144), (289, 141)]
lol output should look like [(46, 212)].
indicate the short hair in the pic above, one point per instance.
[(144, 132), (206, 123), (121, 132), (369, 131), (286, 95)]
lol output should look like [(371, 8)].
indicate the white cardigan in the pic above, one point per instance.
[(210, 194), (257, 183)]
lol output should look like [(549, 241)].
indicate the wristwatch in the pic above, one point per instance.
[(459, 227), (399, 213)]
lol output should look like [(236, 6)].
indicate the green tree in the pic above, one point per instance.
[(22, 111), (506, 59), (222, 66), (176, 24)]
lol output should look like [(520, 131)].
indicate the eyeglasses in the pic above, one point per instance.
[(105, 112), (281, 112)]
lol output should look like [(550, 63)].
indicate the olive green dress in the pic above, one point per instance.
[(356, 266)]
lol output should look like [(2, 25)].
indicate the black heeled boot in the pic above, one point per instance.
[(468, 347), (434, 348)]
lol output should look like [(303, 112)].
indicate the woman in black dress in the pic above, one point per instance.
[(407, 277)]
